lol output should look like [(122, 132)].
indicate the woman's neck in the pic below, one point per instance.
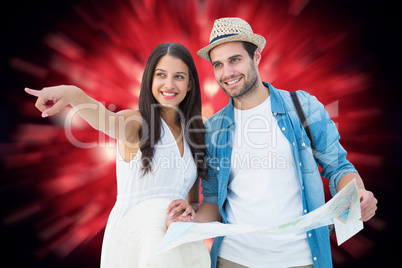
[(169, 115)]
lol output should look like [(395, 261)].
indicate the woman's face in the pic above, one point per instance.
[(170, 81)]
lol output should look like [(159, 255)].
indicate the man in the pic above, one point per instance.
[(261, 167)]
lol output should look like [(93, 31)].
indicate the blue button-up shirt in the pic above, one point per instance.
[(329, 155)]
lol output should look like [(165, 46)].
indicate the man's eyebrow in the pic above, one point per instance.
[(236, 56), (231, 57)]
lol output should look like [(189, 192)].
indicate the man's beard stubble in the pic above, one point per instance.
[(249, 85)]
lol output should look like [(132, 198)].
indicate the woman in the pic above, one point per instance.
[(161, 147)]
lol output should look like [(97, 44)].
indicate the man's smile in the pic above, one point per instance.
[(233, 81)]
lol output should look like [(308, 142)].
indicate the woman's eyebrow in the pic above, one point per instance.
[(182, 73)]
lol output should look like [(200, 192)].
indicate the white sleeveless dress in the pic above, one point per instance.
[(171, 178)]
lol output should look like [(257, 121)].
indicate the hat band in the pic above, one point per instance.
[(220, 37)]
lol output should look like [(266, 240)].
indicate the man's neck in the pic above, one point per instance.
[(260, 94)]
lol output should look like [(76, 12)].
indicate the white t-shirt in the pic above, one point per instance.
[(263, 191)]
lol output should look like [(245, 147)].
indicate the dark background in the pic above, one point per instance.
[(48, 222)]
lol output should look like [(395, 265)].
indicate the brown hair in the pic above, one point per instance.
[(249, 47), (189, 109)]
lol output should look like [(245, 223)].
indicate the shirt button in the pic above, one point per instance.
[(275, 113), (309, 235), (302, 187), (315, 258), (294, 144), (217, 168), (283, 129), (300, 164), (303, 144), (305, 211)]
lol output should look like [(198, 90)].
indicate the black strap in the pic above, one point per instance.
[(302, 117)]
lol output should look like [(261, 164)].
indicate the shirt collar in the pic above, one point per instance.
[(228, 114), (277, 105)]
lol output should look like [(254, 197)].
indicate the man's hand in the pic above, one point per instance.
[(368, 204)]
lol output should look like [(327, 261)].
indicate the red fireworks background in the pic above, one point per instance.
[(57, 182)]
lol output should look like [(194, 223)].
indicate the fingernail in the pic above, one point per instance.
[(184, 214), (45, 115), (171, 215)]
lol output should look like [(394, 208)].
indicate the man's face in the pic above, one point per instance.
[(234, 70)]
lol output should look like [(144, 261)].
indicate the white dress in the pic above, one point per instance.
[(172, 177)]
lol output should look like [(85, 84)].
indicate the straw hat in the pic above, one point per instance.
[(136, 239), (231, 30)]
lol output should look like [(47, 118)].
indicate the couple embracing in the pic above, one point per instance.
[(223, 154)]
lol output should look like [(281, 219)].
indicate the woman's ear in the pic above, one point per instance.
[(190, 83)]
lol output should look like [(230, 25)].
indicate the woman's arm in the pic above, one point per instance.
[(193, 197), (123, 125)]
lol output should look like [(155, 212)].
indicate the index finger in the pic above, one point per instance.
[(33, 92), (173, 204)]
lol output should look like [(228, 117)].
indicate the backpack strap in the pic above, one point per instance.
[(302, 117)]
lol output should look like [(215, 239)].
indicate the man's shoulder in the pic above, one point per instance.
[(306, 99), (218, 120), (309, 102), (303, 96)]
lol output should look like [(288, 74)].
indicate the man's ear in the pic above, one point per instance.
[(257, 56)]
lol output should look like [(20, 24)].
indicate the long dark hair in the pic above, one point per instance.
[(190, 110)]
